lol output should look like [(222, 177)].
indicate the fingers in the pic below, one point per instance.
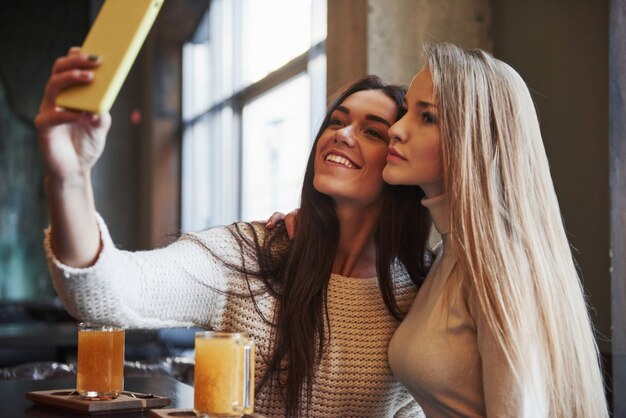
[(75, 59), (290, 220), (274, 219), (75, 68), (47, 120), (98, 121), (291, 223), (61, 81)]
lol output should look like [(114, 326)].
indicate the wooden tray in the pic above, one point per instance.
[(172, 413), (182, 413), (70, 400)]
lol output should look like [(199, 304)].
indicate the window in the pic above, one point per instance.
[(254, 83)]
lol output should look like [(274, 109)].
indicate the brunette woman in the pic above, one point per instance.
[(321, 307)]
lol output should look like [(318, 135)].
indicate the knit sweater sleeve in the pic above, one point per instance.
[(410, 410), (183, 284)]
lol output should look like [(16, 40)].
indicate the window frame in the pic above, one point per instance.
[(312, 61)]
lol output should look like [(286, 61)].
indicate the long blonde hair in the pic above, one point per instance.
[(508, 232)]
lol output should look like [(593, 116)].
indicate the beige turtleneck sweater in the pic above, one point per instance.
[(443, 352)]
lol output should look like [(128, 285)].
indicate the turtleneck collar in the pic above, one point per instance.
[(438, 208)]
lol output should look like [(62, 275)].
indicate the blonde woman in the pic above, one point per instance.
[(500, 327)]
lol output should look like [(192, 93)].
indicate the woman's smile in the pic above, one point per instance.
[(338, 158)]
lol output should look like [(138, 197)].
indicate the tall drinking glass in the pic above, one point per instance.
[(224, 374), (100, 374)]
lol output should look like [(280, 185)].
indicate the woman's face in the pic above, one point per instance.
[(350, 154), (415, 149)]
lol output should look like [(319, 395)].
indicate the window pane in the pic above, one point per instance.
[(273, 33), (225, 171), (210, 172), (195, 80), (222, 44), (196, 190), (276, 144)]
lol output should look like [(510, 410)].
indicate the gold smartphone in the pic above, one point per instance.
[(116, 37)]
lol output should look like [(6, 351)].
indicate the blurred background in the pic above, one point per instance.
[(216, 119)]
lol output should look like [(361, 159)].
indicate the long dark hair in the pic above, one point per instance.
[(298, 274)]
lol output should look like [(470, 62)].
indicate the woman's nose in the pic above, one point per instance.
[(346, 135), (396, 132)]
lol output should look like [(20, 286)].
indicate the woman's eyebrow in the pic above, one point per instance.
[(423, 104), (374, 118), (378, 119)]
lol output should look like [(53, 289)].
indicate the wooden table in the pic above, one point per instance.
[(13, 403)]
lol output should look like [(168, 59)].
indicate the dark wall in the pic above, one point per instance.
[(32, 35), (561, 49), (22, 208), (618, 199)]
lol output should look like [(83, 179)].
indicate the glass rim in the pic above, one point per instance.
[(222, 334), (89, 326)]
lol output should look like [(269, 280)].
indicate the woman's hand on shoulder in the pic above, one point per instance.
[(70, 142), (290, 221)]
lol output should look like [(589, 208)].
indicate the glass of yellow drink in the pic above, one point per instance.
[(224, 374), (100, 374)]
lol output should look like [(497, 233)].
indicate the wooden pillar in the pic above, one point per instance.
[(346, 43)]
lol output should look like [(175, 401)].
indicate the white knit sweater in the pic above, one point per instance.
[(184, 285)]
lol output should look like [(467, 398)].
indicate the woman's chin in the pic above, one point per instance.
[(390, 176)]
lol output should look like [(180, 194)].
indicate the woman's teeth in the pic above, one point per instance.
[(340, 160)]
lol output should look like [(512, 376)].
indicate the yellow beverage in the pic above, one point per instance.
[(224, 374), (100, 373)]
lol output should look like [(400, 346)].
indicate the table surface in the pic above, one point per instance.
[(13, 402)]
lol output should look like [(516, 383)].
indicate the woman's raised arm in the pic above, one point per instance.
[(70, 143)]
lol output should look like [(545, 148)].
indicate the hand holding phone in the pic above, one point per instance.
[(115, 38), (70, 142)]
